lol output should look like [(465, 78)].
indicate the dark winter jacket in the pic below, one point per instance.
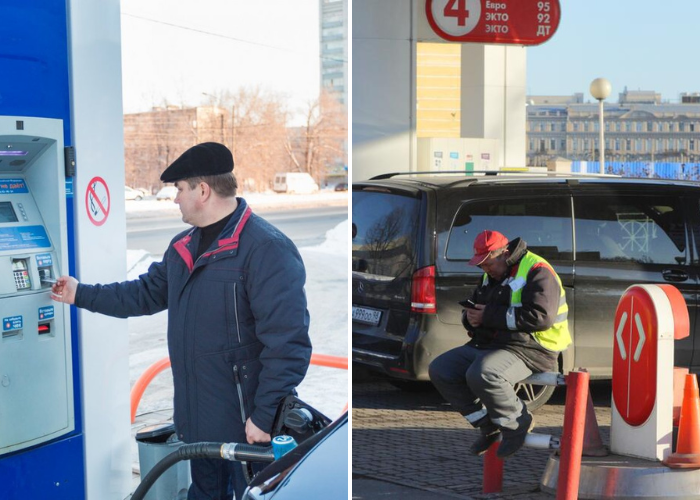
[(237, 324), (540, 303)]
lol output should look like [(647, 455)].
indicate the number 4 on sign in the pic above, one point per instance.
[(460, 11)]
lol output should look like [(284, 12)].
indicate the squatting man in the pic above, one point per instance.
[(517, 321)]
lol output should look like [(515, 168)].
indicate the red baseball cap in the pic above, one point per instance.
[(485, 243)]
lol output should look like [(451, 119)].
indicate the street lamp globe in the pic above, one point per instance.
[(600, 89)]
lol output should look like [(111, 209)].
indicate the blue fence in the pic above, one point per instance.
[(665, 170)]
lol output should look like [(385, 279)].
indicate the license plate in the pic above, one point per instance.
[(364, 315)]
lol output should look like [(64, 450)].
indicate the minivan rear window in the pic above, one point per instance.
[(544, 224), (385, 233)]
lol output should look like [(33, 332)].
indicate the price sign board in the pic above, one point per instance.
[(518, 22)]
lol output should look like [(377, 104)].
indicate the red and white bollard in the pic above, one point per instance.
[(571, 445), (572, 435)]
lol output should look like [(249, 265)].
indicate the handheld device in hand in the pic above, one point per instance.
[(467, 303)]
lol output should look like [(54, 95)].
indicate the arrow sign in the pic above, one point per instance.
[(640, 331), (618, 336), (621, 342), (635, 356)]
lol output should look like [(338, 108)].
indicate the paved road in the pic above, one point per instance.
[(412, 445), (305, 226)]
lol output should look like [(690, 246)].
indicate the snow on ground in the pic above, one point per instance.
[(327, 293), (147, 207)]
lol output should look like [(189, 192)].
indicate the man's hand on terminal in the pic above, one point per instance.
[(476, 316), (64, 289), (254, 434)]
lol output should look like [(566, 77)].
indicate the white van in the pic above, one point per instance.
[(294, 182)]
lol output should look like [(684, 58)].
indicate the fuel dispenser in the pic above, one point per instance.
[(64, 372), (36, 356), (36, 377)]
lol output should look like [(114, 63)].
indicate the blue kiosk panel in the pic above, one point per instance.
[(34, 63)]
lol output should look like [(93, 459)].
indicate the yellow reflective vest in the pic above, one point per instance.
[(557, 337)]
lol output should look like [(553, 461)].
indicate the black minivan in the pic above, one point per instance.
[(413, 236)]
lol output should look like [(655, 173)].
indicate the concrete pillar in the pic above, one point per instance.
[(493, 98), (383, 83), (384, 90)]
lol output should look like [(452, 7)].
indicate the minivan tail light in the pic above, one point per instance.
[(423, 291)]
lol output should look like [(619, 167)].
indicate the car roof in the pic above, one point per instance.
[(439, 180)]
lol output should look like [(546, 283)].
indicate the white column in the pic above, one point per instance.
[(383, 82), (98, 137), (493, 98)]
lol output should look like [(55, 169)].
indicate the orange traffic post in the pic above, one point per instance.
[(493, 470), (592, 443), (679, 375), (143, 381), (157, 367), (329, 361), (572, 435), (687, 455)]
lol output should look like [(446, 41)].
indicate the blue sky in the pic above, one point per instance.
[(643, 44)]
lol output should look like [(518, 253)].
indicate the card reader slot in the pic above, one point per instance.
[(46, 277), (12, 334), (45, 328)]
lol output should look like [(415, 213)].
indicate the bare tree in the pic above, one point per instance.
[(252, 122), (255, 131), (322, 142)]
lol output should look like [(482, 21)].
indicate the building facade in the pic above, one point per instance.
[(333, 17), (639, 127), (154, 139)]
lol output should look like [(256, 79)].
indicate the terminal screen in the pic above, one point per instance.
[(7, 213)]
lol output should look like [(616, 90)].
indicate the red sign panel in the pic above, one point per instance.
[(519, 22), (634, 356), (679, 308)]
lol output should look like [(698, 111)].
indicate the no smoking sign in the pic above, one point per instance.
[(97, 201)]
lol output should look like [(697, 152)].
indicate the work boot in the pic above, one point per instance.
[(515, 439), (488, 434)]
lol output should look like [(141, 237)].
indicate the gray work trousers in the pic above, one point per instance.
[(476, 379)]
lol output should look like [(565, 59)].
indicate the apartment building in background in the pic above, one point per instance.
[(333, 18), (640, 127)]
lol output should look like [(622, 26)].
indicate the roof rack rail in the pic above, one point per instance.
[(491, 173), (466, 181), (430, 172)]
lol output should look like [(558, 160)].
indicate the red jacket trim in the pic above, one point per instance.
[(181, 248)]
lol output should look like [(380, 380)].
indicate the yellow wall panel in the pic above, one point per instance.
[(438, 85)]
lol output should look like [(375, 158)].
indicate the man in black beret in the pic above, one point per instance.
[(238, 325), (208, 158)]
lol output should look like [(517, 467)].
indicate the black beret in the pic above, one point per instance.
[(208, 158)]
